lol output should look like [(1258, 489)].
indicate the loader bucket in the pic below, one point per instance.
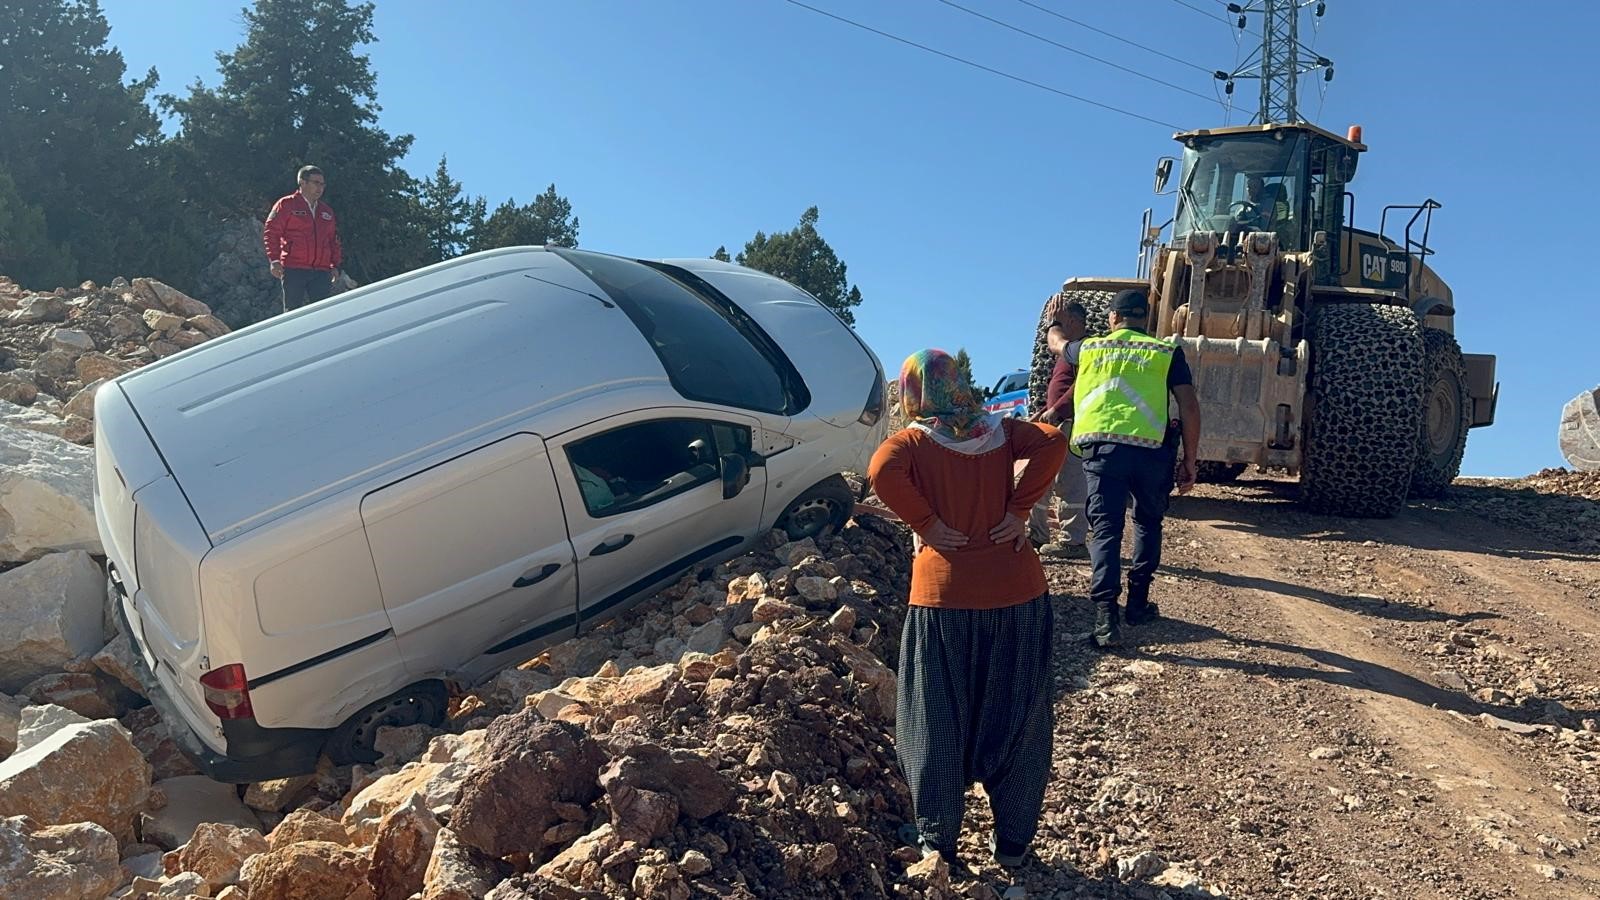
[(1251, 398)]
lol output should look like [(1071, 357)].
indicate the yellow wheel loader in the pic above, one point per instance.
[(1317, 348)]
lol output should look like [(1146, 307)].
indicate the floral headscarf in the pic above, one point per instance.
[(937, 398)]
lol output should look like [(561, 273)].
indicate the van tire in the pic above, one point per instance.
[(423, 703), (824, 508)]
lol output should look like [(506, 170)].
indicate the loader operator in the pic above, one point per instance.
[(1268, 209), (1120, 429)]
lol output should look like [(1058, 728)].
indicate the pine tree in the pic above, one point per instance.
[(802, 257), (446, 214)]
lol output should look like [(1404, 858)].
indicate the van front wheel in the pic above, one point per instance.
[(824, 507), (423, 703)]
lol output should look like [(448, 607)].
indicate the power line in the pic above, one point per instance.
[(1207, 13), (1049, 11), (976, 65), (1058, 44)]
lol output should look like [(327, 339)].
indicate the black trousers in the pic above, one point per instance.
[(1113, 473), (302, 286)]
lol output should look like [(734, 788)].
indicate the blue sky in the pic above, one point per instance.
[(960, 200)]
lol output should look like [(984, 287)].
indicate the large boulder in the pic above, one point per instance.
[(532, 765), (216, 852), (46, 496), (404, 846), (439, 785), (50, 614), (452, 873), (1579, 433), (57, 862), (312, 870), (88, 772)]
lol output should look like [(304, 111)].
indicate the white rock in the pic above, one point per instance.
[(35, 723), (65, 862), (46, 495), (1579, 431), (32, 418), (51, 612), (1141, 866), (71, 339)]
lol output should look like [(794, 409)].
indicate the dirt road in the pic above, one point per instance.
[(1338, 708)]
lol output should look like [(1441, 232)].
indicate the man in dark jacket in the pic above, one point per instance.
[(302, 241)]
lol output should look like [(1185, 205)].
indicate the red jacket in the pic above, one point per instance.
[(300, 240)]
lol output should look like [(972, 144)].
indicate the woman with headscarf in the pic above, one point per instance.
[(975, 687)]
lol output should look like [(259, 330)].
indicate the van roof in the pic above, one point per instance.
[(278, 415)]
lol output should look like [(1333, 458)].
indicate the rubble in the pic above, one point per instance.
[(190, 801), (56, 347)]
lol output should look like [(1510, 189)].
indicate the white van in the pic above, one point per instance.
[(315, 524)]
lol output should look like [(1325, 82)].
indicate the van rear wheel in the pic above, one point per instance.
[(824, 507), (423, 703)]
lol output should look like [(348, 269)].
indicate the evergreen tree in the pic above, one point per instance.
[(802, 257), (82, 149), (547, 220), (297, 92), (446, 214), (722, 255)]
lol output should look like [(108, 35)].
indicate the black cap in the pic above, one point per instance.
[(1130, 303)]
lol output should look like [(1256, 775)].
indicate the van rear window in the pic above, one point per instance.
[(703, 347)]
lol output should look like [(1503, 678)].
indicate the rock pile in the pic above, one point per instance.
[(730, 737), (57, 348)]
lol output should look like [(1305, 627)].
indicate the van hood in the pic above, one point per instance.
[(837, 367)]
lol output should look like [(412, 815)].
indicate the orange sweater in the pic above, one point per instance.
[(921, 481)]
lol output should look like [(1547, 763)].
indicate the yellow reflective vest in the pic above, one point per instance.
[(1120, 395)]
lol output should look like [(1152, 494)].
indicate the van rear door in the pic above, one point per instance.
[(472, 556), (155, 545)]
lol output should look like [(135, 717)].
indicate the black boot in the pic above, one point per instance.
[(1107, 630), (1140, 609)]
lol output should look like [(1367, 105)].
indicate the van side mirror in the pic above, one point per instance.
[(1163, 172), (735, 474)]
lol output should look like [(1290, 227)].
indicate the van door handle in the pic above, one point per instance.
[(612, 545), (534, 576)]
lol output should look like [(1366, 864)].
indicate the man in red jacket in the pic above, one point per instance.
[(302, 240)]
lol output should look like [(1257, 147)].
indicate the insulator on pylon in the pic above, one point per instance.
[(1321, 8), (1241, 23), (1327, 74), (1228, 88)]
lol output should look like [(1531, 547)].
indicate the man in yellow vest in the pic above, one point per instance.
[(1121, 431)]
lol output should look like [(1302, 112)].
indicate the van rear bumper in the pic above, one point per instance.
[(254, 753)]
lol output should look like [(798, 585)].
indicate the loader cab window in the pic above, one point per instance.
[(1241, 183)]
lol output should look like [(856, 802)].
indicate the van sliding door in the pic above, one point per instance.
[(473, 552)]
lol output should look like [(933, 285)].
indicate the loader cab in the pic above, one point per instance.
[(1286, 179)]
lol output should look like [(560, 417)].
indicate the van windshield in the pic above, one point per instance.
[(710, 354)]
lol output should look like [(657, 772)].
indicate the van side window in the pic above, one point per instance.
[(638, 465), (706, 350)]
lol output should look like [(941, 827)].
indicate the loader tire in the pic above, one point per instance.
[(1446, 415), (1098, 305), (1210, 472), (1365, 407)]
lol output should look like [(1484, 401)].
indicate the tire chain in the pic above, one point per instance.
[(1365, 400), (1432, 475)]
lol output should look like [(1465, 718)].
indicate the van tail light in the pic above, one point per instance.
[(874, 409), (228, 692)]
